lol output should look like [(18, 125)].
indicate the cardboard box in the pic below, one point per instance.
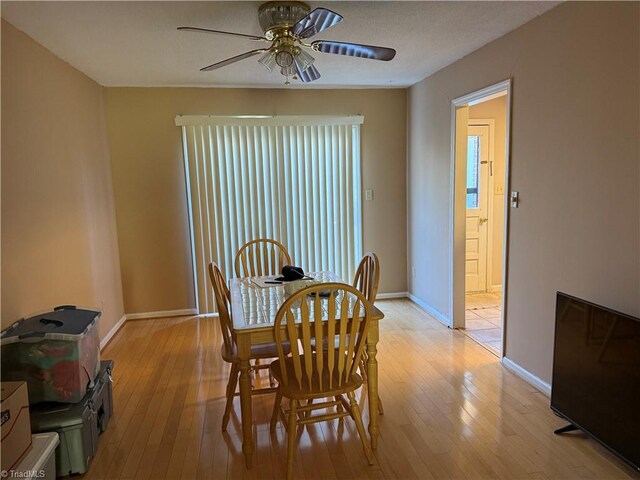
[(15, 429)]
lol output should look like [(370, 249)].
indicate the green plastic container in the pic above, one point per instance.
[(78, 425)]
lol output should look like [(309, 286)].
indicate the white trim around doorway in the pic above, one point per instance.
[(457, 244)]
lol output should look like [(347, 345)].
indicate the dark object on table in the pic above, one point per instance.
[(291, 273), (321, 293), (77, 424)]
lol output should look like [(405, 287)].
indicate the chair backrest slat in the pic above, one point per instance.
[(261, 257), (353, 334), (317, 332), (342, 340), (339, 321), (223, 300), (306, 339), (270, 257), (254, 267), (331, 333), (281, 351), (295, 349)]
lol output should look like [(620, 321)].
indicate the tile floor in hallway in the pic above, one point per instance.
[(482, 320)]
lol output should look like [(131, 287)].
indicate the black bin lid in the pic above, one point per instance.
[(66, 320)]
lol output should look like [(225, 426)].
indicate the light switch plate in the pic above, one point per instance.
[(368, 194)]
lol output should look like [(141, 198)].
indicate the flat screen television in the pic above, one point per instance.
[(596, 374)]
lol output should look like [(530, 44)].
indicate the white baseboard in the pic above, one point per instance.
[(140, 316), (389, 296), (430, 310), (527, 376), (165, 313), (495, 288), (112, 332)]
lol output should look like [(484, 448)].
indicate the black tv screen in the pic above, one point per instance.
[(596, 374)]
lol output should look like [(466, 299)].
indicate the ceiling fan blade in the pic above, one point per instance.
[(309, 74), (315, 22), (208, 30), (231, 60), (354, 50)]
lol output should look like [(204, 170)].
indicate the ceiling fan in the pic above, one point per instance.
[(287, 26)]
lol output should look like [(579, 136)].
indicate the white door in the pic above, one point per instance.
[(477, 200)]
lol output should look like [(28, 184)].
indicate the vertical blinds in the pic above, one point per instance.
[(292, 179)]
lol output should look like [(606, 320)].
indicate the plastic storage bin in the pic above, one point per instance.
[(40, 462), (57, 353), (79, 425)]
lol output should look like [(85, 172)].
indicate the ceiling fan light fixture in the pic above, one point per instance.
[(284, 57), (268, 60), (288, 71), (303, 60)]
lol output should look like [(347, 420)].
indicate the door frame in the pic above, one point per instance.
[(457, 226), (491, 123)]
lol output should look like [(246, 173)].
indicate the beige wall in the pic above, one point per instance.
[(496, 110), (149, 186), (59, 240), (574, 160)]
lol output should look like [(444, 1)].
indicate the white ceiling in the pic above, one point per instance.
[(123, 43)]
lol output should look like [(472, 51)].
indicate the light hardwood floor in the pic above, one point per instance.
[(451, 411)]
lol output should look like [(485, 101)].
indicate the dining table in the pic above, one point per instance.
[(254, 304)]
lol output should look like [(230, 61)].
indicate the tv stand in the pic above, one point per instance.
[(569, 428)]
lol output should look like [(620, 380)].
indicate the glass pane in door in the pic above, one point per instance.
[(473, 170)]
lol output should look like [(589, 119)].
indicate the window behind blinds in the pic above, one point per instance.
[(292, 179)]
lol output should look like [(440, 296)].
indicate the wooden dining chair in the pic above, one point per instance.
[(366, 281), (261, 257), (229, 349), (367, 276), (322, 312)]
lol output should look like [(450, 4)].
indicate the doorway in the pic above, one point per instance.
[(480, 165)]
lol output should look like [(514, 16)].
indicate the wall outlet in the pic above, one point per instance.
[(368, 194), (499, 190)]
